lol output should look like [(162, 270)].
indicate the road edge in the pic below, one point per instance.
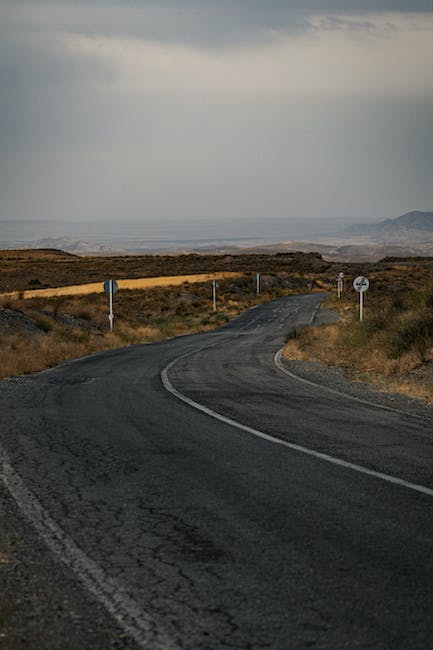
[(388, 478), (279, 364), (107, 591)]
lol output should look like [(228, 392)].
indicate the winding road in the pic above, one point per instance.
[(210, 500)]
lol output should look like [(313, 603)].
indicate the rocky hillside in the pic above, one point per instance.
[(415, 226)]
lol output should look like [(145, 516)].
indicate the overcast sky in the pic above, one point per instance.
[(215, 109)]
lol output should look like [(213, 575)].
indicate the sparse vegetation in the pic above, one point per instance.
[(392, 347), (77, 325), (56, 269), (294, 333), (42, 323)]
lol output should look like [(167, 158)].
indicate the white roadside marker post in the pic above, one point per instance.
[(110, 287), (258, 283), (340, 284), (361, 285), (214, 294), (111, 315)]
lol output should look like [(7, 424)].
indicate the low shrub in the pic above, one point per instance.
[(353, 334), (42, 323), (428, 298), (416, 334), (84, 314), (294, 333)]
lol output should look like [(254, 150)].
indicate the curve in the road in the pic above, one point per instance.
[(196, 535), (278, 441)]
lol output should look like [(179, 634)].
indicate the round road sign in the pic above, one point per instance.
[(114, 285), (361, 283)]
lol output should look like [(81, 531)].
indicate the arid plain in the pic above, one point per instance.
[(391, 348)]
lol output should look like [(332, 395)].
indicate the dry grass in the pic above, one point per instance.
[(136, 283), (392, 348), (73, 326), (368, 353), (20, 355)]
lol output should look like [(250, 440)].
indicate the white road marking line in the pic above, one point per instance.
[(109, 592), (314, 314), (292, 375), (284, 443)]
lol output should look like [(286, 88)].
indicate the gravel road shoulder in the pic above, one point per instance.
[(335, 378), (330, 377)]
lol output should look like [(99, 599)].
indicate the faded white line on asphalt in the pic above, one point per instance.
[(292, 375), (314, 314), (284, 443), (110, 593)]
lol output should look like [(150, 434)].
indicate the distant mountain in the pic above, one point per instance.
[(411, 234), (338, 252), (74, 246), (412, 226)]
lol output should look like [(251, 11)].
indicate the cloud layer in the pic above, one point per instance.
[(234, 109)]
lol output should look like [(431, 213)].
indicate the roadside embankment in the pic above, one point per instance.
[(391, 348)]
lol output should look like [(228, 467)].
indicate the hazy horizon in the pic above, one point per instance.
[(221, 114), (171, 233)]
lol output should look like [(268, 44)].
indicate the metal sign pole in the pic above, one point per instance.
[(214, 294), (361, 285), (110, 288), (340, 284), (111, 316)]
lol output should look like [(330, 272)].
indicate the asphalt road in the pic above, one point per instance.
[(309, 526)]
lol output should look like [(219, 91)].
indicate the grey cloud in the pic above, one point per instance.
[(71, 148), (201, 23), (38, 82), (45, 62), (341, 155)]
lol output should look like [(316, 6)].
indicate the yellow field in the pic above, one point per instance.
[(138, 283)]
